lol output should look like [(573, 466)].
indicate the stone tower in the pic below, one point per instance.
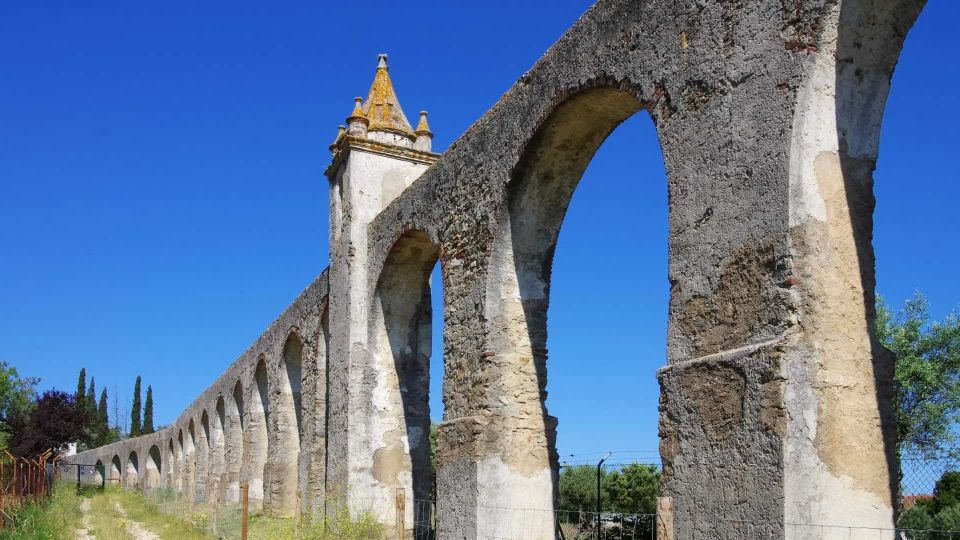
[(376, 156)]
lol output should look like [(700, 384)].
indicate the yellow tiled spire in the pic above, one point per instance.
[(422, 126), (382, 107)]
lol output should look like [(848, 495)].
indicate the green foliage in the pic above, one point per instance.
[(56, 518), (135, 425), (928, 518), (17, 396), (946, 493), (82, 385), (947, 519), (633, 489), (927, 374), (578, 489), (916, 518), (148, 412)]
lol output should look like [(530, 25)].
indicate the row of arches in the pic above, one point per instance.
[(251, 434)]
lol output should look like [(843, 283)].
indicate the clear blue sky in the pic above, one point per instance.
[(162, 196)]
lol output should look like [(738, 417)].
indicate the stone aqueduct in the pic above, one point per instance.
[(775, 402)]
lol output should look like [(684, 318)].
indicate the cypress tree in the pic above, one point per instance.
[(103, 417), (82, 386), (92, 398), (148, 412), (135, 425)]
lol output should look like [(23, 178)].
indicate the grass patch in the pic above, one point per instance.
[(56, 518), (167, 526)]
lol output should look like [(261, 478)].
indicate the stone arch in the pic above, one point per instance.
[(233, 443), (313, 452), (182, 477), (170, 471), (846, 468), (190, 462), (202, 475), (539, 192), (217, 451), (133, 471), (100, 473), (286, 390), (256, 438), (400, 336), (153, 469), (116, 471)]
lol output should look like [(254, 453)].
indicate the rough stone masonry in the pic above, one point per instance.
[(775, 402)]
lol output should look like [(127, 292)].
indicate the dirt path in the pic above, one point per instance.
[(84, 533), (137, 530)]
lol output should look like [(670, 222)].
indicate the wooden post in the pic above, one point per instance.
[(245, 510), (665, 518), (401, 512)]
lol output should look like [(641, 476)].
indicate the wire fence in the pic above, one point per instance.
[(418, 519)]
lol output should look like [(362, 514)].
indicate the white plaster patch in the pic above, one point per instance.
[(814, 131), (510, 501)]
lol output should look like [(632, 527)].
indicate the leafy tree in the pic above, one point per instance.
[(946, 493), (148, 412), (578, 491), (927, 374), (16, 399), (927, 518), (947, 519), (55, 421), (135, 425), (633, 489)]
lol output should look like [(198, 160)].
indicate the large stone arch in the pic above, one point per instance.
[(233, 443), (400, 336), (539, 192)]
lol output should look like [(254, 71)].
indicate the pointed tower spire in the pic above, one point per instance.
[(382, 107), (424, 135), (357, 122)]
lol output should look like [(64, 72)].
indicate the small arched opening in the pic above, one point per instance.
[(99, 473), (153, 469), (115, 471), (217, 450), (133, 471), (233, 443), (257, 440), (285, 435)]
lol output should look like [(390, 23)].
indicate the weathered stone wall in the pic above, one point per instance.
[(221, 440), (775, 401)]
